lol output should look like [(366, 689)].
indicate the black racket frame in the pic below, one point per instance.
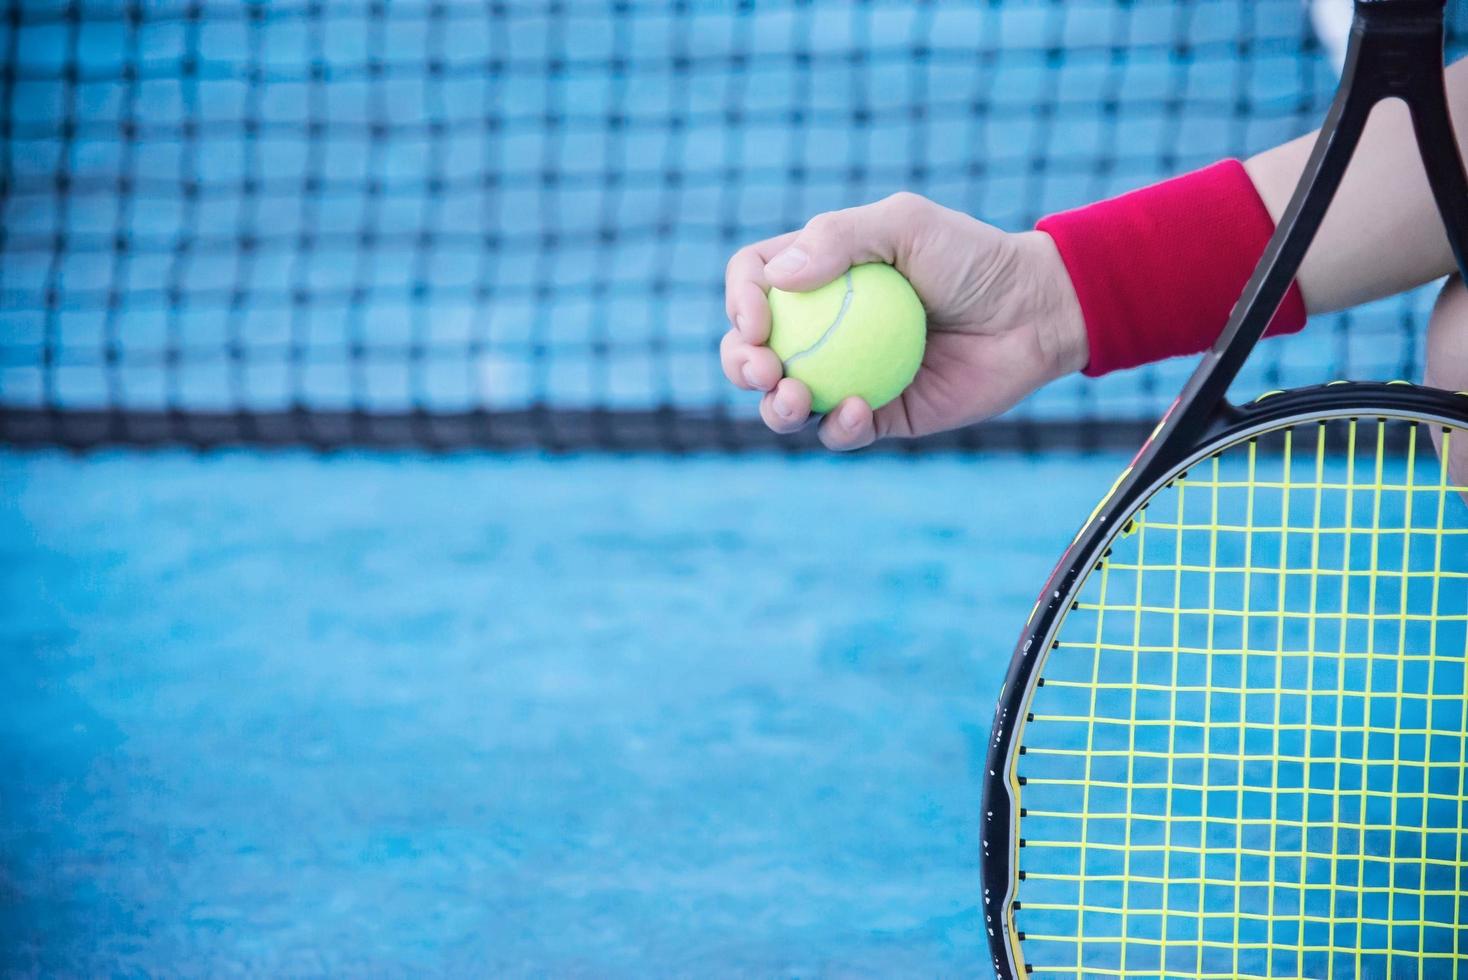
[(1395, 51)]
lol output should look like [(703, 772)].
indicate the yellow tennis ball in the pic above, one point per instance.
[(862, 335)]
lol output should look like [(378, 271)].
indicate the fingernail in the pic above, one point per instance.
[(782, 407), (749, 377), (789, 261), (851, 416), (739, 322)]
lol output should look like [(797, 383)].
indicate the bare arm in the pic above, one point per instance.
[(1382, 235)]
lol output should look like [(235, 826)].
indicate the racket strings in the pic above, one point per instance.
[(1247, 756)]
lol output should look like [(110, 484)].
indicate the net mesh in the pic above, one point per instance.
[(1247, 757), (445, 222)]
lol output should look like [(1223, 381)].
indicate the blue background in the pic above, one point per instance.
[(529, 715)]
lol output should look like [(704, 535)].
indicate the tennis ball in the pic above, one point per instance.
[(862, 335)]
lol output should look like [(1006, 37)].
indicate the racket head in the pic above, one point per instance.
[(1309, 558)]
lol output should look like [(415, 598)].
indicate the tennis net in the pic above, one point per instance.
[(448, 223)]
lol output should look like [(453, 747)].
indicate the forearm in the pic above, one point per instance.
[(1382, 235)]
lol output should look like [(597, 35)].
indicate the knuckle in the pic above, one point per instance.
[(826, 223), (905, 202), (731, 268)]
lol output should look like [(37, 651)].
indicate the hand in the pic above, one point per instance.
[(1447, 366), (1003, 318)]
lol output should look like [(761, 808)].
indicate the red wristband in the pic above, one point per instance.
[(1158, 270)]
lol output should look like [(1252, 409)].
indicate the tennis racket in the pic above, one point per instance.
[(1233, 739)]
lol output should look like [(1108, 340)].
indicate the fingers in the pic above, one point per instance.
[(1447, 367), (1447, 338), (786, 409), (851, 425), (745, 287), (833, 242), (746, 365)]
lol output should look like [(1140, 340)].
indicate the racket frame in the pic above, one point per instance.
[(1395, 50)]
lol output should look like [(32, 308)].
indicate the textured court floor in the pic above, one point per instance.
[(529, 716)]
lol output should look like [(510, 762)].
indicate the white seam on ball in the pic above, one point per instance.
[(831, 330)]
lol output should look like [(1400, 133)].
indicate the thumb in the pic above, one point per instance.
[(833, 242)]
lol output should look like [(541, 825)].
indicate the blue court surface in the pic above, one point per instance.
[(603, 716)]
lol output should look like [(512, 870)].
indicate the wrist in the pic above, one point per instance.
[(1060, 327)]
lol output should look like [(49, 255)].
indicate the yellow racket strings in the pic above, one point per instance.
[(1247, 754)]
